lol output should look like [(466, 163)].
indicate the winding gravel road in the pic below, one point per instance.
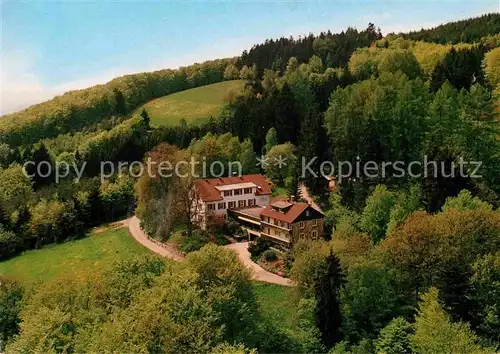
[(164, 250), (167, 251), (258, 272)]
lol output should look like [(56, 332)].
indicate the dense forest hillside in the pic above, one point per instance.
[(334, 49), (410, 257), (467, 31), (76, 110)]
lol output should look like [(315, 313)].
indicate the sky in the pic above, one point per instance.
[(49, 47)]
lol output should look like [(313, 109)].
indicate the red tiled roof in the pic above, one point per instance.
[(208, 192), (290, 213)]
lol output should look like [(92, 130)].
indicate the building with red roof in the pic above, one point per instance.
[(247, 199), (218, 195)]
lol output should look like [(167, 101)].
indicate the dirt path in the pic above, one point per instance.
[(164, 250), (304, 193), (259, 273)]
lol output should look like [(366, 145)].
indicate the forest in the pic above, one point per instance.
[(458, 31), (408, 265)]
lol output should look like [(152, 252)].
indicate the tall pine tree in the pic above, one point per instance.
[(120, 106), (145, 118), (327, 288), (287, 116), (41, 167), (312, 141)]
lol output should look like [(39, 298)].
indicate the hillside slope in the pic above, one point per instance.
[(78, 110), (194, 105)]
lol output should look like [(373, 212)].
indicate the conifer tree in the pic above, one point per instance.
[(145, 118), (120, 106), (312, 142), (287, 116), (41, 168), (327, 289), (454, 289)]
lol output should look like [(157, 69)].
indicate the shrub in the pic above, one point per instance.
[(258, 247), (288, 260), (11, 294), (269, 255), (220, 239), (192, 243), (231, 227)]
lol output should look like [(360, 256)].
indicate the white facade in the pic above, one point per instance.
[(238, 195)]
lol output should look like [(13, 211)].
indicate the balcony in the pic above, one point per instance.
[(276, 237), (276, 226)]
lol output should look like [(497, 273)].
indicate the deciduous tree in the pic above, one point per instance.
[(435, 333)]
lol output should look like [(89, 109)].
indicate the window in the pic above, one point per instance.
[(221, 205), (232, 205), (247, 190), (301, 224), (228, 193), (241, 203), (283, 224), (314, 234), (276, 222), (211, 206), (315, 222), (251, 202), (301, 236), (237, 191)]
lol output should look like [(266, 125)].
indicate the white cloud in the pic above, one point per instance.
[(20, 86)]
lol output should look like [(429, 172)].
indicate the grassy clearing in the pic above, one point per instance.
[(102, 247), (194, 105), (277, 303), (97, 251)]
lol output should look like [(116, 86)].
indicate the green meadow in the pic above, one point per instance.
[(194, 105), (96, 251), (99, 249)]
